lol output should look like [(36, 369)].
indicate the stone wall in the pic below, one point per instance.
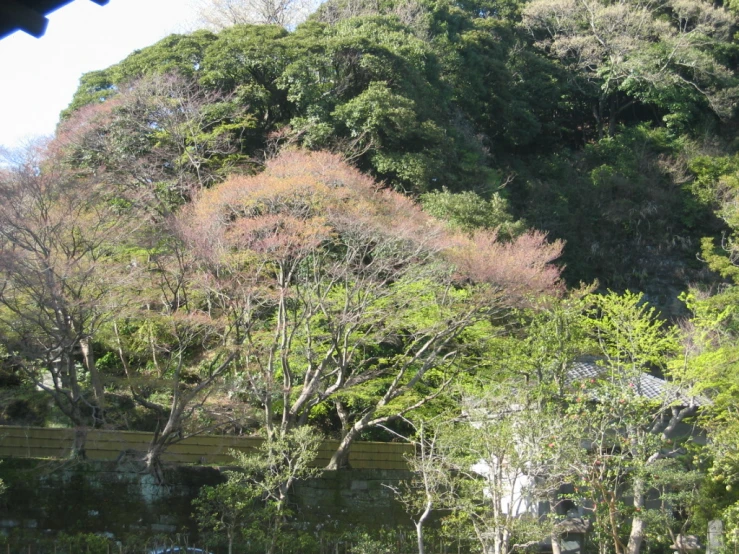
[(352, 496), (117, 499)]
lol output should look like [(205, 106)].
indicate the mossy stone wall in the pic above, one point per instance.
[(118, 499)]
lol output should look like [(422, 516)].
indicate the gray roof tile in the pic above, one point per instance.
[(644, 384)]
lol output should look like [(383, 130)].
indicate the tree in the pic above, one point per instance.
[(418, 113), (531, 429), (61, 277), (716, 185), (175, 54), (343, 294), (469, 211), (223, 509), (547, 338), (81, 266), (535, 360), (161, 134), (499, 462), (371, 89), (631, 434), (411, 13), (426, 491), (168, 346), (254, 498), (659, 53), (220, 14), (710, 342), (710, 335), (515, 415)]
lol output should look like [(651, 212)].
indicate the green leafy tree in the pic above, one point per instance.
[(494, 468), (247, 60), (710, 342), (371, 89), (710, 336), (631, 434), (469, 211), (343, 295), (545, 340), (176, 54), (223, 509), (506, 458), (662, 53), (716, 184), (253, 502)]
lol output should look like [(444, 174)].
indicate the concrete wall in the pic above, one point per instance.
[(39, 442)]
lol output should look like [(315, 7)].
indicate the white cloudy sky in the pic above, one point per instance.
[(39, 76)]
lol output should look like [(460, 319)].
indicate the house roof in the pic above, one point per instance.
[(29, 15), (645, 385)]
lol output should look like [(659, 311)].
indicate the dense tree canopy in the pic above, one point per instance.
[(662, 53), (349, 296), (398, 215), (426, 96)]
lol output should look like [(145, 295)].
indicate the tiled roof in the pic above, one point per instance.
[(644, 384)]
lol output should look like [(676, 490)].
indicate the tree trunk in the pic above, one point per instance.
[(638, 525), (340, 458), (556, 534), (97, 384), (419, 536), (67, 395), (80, 427), (80, 438), (613, 112), (598, 113), (501, 541), (66, 372), (343, 414), (637, 536), (159, 444), (420, 522), (153, 460)]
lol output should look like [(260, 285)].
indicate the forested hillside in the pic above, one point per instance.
[(389, 217), (587, 121)]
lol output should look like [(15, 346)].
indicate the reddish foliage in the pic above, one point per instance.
[(303, 200), (520, 267), (277, 235), (299, 201), (84, 130), (338, 266)]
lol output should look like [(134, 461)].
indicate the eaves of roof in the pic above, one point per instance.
[(29, 15)]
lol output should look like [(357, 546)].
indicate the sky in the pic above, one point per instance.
[(39, 76)]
